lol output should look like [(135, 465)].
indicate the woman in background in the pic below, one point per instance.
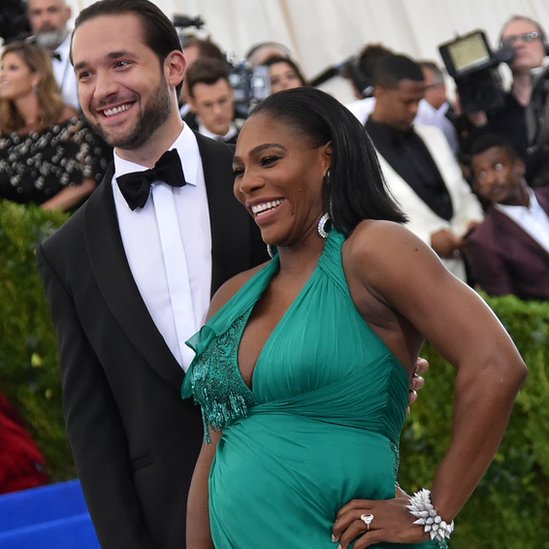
[(47, 155), (284, 74)]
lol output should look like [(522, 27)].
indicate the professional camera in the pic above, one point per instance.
[(183, 22), (250, 85), (474, 67)]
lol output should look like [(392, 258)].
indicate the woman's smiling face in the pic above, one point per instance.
[(278, 177)]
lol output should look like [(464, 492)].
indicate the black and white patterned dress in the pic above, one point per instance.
[(36, 166)]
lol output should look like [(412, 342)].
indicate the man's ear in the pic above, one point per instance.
[(520, 167), (174, 67)]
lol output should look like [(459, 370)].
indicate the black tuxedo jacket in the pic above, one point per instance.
[(135, 441), (505, 259)]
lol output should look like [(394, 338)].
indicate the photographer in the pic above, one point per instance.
[(527, 40)]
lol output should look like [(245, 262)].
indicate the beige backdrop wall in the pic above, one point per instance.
[(323, 33)]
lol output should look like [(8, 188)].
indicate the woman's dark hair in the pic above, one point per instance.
[(159, 32), (275, 59), (355, 189)]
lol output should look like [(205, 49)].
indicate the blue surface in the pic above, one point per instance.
[(48, 517)]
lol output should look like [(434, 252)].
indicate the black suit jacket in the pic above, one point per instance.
[(505, 259), (135, 441)]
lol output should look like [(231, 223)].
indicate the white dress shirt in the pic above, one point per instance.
[(532, 219), (233, 130), (64, 74), (142, 243)]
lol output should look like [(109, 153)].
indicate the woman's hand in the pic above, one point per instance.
[(383, 521), (417, 382)]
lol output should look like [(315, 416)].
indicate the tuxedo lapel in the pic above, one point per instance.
[(508, 230), (114, 278), (228, 220)]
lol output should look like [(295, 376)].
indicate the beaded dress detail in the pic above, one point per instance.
[(320, 425), (35, 167)]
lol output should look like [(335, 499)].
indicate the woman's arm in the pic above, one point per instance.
[(70, 196), (406, 278), (198, 516)]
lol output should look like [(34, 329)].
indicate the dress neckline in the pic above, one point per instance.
[(268, 272)]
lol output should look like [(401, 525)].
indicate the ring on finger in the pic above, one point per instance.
[(367, 520)]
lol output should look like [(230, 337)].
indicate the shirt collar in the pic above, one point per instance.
[(186, 146), (229, 135), (388, 133), (533, 203)]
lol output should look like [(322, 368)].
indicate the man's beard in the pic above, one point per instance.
[(154, 114), (50, 39)]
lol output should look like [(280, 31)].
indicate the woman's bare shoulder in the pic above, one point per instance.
[(229, 288), (380, 238)]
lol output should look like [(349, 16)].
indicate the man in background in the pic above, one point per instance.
[(418, 164), (48, 21), (528, 42), (211, 99), (509, 250), (436, 104)]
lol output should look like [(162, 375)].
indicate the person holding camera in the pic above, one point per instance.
[(527, 40)]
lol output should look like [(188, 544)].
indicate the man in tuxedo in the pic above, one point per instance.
[(509, 250), (130, 275)]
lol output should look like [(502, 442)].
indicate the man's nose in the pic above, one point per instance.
[(105, 85)]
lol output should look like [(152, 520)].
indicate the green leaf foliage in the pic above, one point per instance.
[(511, 505)]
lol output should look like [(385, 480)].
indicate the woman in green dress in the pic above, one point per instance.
[(302, 370)]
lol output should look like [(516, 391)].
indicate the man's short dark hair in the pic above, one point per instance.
[(438, 75), (487, 141), (159, 32), (207, 48), (394, 69), (206, 70)]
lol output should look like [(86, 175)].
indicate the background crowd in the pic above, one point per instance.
[(473, 184)]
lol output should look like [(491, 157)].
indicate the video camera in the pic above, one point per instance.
[(183, 22), (250, 85), (474, 67)]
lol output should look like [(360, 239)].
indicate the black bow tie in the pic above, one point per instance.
[(136, 186), (55, 55)]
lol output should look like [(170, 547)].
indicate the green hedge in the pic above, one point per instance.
[(508, 509), (28, 358)]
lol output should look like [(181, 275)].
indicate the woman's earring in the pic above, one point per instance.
[(270, 251), (321, 227)]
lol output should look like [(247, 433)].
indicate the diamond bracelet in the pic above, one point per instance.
[(427, 516)]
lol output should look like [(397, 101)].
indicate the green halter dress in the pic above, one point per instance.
[(320, 426)]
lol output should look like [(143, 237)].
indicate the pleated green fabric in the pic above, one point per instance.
[(320, 426)]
